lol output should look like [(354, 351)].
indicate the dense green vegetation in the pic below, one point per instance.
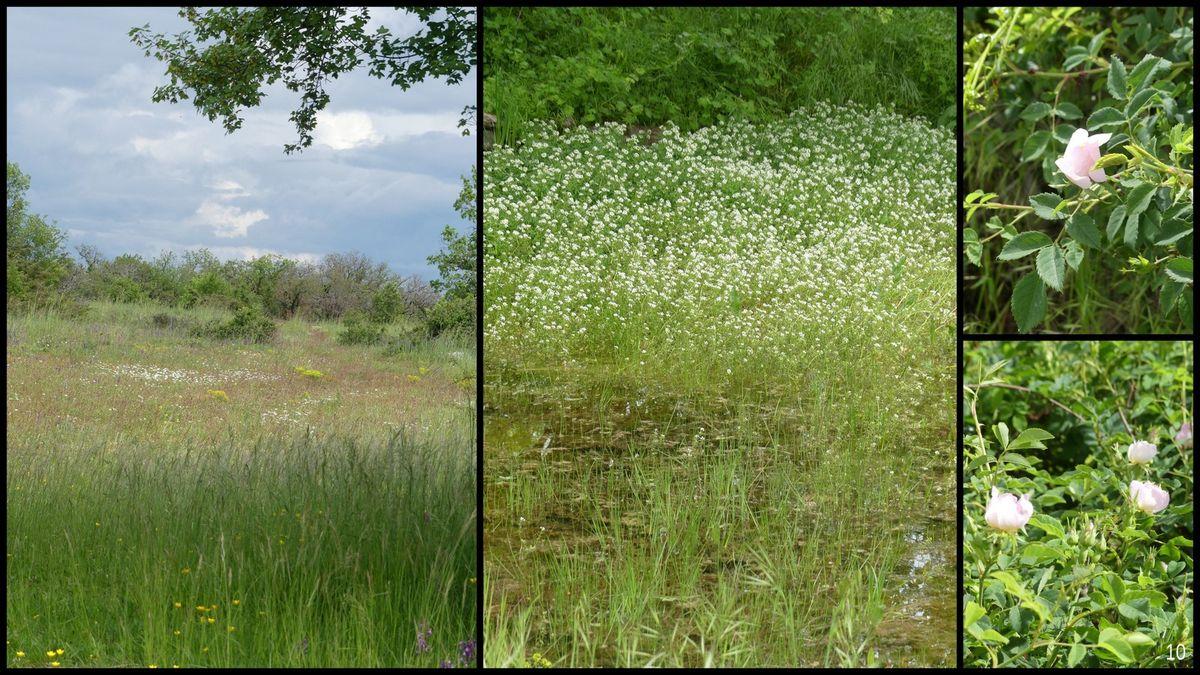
[(1092, 574), (41, 273), (1058, 250), (649, 66)]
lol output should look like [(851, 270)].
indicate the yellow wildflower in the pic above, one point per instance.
[(20, 654), (50, 653), (236, 602), (178, 605), (58, 651), (186, 570), (414, 378), (231, 629), (54, 664), (179, 632), (219, 395)]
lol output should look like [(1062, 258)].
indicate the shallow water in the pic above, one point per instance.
[(584, 438)]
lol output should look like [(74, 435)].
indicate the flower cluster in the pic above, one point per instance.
[(739, 247)]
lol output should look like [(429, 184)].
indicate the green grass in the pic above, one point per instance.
[(692, 67), (318, 521), (719, 384)]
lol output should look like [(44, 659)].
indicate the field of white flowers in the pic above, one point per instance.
[(803, 269)]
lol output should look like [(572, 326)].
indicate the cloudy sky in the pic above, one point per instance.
[(126, 175)]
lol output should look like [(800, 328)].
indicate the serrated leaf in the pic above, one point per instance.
[(1044, 206), (1048, 524), (1115, 219), (1143, 74), (1105, 117), (1139, 101), (1051, 267), (1116, 78), (972, 247), (1076, 655), (1023, 244), (1068, 111), (1031, 437), (1138, 198), (1180, 269), (1172, 231), (1131, 230), (1035, 111), (1028, 302), (1082, 229), (1000, 429), (1035, 145), (1073, 253), (972, 613)]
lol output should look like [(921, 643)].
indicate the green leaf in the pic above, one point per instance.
[(1131, 230), (1105, 117), (1048, 524), (1172, 231), (1035, 145), (991, 635), (1076, 654), (1112, 640), (1111, 159), (1028, 302), (1037, 554), (1068, 111), (1001, 431), (1138, 198), (1035, 111), (1082, 229), (972, 247), (1114, 222), (1051, 267), (1112, 584), (1023, 244), (1044, 205), (1180, 269), (1136, 639), (972, 613), (1116, 78), (1073, 252), (1032, 437), (1144, 72), (1139, 101)]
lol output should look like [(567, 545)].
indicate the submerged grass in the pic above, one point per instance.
[(291, 521), (719, 396)]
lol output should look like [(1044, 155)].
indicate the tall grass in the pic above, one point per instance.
[(151, 522)]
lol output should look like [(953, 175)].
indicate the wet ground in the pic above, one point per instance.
[(568, 437)]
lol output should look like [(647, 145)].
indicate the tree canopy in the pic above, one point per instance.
[(224, 64)]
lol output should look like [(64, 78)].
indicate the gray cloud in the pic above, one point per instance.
[(128, 175)]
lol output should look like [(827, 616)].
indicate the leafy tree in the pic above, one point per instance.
[(456, 263), (35, 257), (233, 53)]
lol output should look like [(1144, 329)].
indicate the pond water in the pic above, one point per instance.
[(577, 440)]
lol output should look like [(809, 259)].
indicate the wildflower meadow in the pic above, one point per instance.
[(1077, 506), (719, 366), (178, 501)]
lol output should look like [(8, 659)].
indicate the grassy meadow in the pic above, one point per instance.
[(719, 394), (180, 501)]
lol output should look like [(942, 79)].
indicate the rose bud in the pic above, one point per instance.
[(1148, 496), (1142, 452), (1080, 156), (1184, 438), (1007, 513)]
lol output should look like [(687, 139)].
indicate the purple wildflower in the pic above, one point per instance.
[(423, 634), (445, 664), (466, 652)]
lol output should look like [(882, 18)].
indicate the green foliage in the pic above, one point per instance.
[(360, 330), (248, 324), (693, 67), (456, 262), (1106, 251), (35, 258), (451, 313), (232, 54), (1091, 580), (387, 304)]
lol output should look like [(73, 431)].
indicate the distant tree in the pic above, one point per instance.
[(233, 53), (36, 260)]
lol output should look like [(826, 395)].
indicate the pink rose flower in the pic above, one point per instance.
[(1184, 438), (1148, 496), (1007, 513), (1142, 452), (1080, 156)]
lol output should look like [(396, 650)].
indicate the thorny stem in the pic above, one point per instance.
[(1031, 391)]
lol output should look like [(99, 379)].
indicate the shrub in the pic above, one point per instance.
[(248, 324), (451, 314), (359, 330), (387, 304)]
